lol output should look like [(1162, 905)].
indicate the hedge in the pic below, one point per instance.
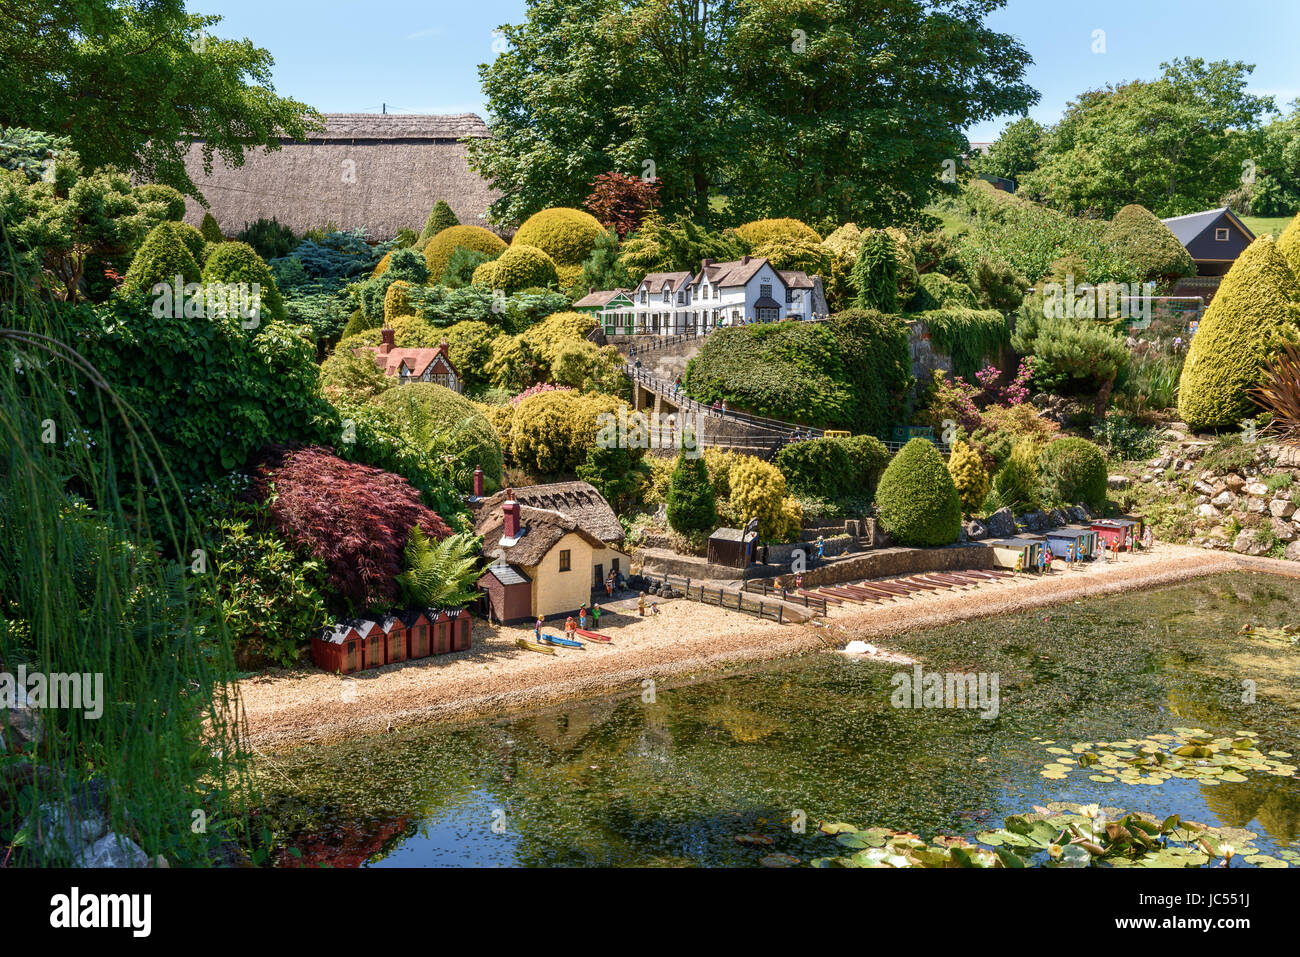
[(937, 291), (236, 262), (916, 498), (1255, 307), (1150, 245), (519, 267), (762, 231), (969, 337), (834, 468)]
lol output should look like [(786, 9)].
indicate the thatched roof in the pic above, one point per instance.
[(577, 500), (398, 167), (541, 530)]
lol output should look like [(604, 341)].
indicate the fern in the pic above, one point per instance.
[(439, 574)]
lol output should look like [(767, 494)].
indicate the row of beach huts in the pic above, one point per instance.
[(1070, 543), (361, 643)]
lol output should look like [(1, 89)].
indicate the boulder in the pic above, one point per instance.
[(976, 530), (1002, 524), (1281, 508), (1249, 543), (1057, 517), (1293, 552), (1207, 511), (1256, 506), (1033, 521), (1257, 490), (1224, 500), (1284, 531), (1205, 488), (114, 850), (1117, 482), (1234, 482)]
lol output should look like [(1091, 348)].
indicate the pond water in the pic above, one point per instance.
[(675, 781)]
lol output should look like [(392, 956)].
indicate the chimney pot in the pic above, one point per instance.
[(744, 260), (387, 339), (510, 517), (478, 481)]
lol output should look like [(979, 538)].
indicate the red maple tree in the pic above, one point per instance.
[(621, 202)]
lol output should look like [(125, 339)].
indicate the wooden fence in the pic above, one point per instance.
[(808, 601), (738, 600)]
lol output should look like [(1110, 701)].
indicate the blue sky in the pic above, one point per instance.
[(422, 57)]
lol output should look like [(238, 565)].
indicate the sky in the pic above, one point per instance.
[(422, 56)]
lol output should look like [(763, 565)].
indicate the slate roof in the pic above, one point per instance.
[(1187, 228), (507, 574)]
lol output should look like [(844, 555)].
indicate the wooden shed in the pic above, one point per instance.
[(1013, 553), (1072, 544), (731, 547), (507, 593), (375, 643), (394, 638), (1119, 534), (418, 643), (339, 648), (461, 627)]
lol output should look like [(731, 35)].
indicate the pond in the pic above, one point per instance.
[(720, 772)]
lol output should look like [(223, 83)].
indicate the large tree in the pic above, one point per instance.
[(132, 83), (1015, 152), (822, 109), (1174, 145)]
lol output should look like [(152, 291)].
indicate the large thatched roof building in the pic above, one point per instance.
[(379, 171)]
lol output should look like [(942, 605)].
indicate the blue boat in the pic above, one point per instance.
[(563, 642)]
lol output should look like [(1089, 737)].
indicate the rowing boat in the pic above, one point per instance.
[(534, 646), (565, 642), (594, 636)]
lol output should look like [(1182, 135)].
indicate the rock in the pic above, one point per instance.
[(976, 530), (1281, 508), (1293, 552), (20, 727), (1257, 490), (1248, 543), (1117, 482), (1234, 481), (113, 850), (1284, 531), (1286, 456), (1207, 511), (1161, 463), (1224, 500), (1257, 506), (1002, 524), (1057, 517), (1033, 521), (1204, 487)]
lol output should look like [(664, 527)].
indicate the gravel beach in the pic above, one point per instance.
[(287, 709)]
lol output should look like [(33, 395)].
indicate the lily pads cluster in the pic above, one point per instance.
[(1058, 835), (1186, 753)]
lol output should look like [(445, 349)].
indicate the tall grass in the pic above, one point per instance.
[(90, 583)]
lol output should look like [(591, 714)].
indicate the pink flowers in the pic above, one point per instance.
[(538, 389)]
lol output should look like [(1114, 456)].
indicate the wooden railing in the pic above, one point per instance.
[(737, 600), (808, 601)]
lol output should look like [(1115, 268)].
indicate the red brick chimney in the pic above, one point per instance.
[(744, 260), (387, 339), (510, 515), (705, 264), (445, 349), (478, 481)]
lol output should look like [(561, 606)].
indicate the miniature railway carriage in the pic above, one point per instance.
[(1072, 544), (1020, 554), (340, 648), (1119, 534)]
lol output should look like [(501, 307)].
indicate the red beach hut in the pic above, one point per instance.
[(394, 638), (419, 643), (375, 640), (339, 648)]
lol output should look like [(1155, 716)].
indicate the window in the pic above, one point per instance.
[(715, 292), (681, 298), (643, 297), (765, 290), (613, 564), (566, 560), (789, 295), (667, 296), (1220, 235)]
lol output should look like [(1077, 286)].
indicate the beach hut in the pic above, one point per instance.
[(1119, 534), (394, 638), (418, 642), (1017, 553), (339, 648), (375, 643), (460, 628), (1072, 544)]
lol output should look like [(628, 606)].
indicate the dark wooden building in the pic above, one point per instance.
[(1214, 238), (507, 593)]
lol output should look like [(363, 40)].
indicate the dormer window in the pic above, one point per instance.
[(644, 298), (667, 296)]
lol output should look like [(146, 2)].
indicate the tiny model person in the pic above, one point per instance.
[(654, 608), (582, 617), (570, 626), (595, 617), (640, 604), (610, 581), (1047, 559), (821, 547), (1042, 559), (1147, 538), (537, 629)]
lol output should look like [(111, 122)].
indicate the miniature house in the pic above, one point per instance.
[(339, 648), (418, 644), (416, 365), (394, 638)]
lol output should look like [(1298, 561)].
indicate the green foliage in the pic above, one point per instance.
[(969, 477), (211, 230), (160, 259), (440, 217), (1148, 243), (620, 474), (937, 291), (470, 345), (1254, 310), (355, 375), (764, 231), (1070, 354), (1016, 484), (757, 489), (916, 498), (875, 273), (268, 237), (439, 574), (834, 469), (676, 246), (519, 267), (271, 597), (439, 249), (552, 433), (236, 262), (161, 80), (877, 364), (1073, 471), (33, 152), (461, 266), (587, 367), (972, 338), (422, 409), (1014, 153), (404, 265), (171, 200), (691, 506), (396, 301), (998, 287), (566, 236)]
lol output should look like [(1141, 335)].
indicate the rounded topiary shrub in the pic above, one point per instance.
[(171, 200), (438, 250), (397, 301), (566, 235), (937, 291), (1149, 244), (762, 231), (191, 237), (236, 262), (1073, 471), (423, 409), (162, 257), (1254, 309), (1288, 244), (519, 267), (916, 498)]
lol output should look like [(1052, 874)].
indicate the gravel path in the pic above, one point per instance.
[(286, 709)]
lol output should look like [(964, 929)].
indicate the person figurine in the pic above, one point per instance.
[(640, 605), (595, 618), (1047, 559), (582, 617), (1020, 563), (798, 582), (570, 626), (1042, 559), (821, 547), (654, 608), (1147, 538), (724, 406), (610, 582), (537, 629)]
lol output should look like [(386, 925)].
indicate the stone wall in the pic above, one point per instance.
[(894, 563)]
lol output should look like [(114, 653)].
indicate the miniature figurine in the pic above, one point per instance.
[(595, 617), (537, 629), (582, 617), (821, 548), (570, 626), (640, 605)]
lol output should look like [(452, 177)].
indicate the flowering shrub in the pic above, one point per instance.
[(538, 389), (355, 519)]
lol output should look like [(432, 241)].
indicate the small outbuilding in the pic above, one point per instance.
[(394, 638), (1214, 238), (416, 623), (507, 593), (339, 648)]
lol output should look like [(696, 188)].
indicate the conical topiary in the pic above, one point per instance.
[(969, 477), (236, 262), (1149, 245), (440, 218), (916, 498), (691, 503), (162, 257), (1256, 307), (211, 229), (1288, 244)]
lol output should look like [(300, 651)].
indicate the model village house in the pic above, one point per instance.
[(720, 294), (416, 365), (550, 546)]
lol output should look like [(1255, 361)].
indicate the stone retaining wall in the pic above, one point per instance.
[(894, 563)]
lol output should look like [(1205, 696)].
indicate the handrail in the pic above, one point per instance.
[(686, 403)]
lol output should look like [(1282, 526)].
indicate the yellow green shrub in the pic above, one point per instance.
[(397, 301), (969, 476), (520, 267), (552, 432), (757, 490), (762, 231), (438, 250), (566, 235)]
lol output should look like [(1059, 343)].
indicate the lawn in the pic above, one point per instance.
[(1267, 225)]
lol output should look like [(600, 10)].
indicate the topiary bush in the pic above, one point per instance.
[(1074, 470), (440, 217), (758, 490), (916, 497), (237, 262), (269, 237), (762, 231), (834, 468), (171, 200), (519, 267), (438, 250), (1148, 243), (397, 302), (211, 229), (162, 257), (875, 273), (552, 432), (1254, 310), (566, 235), (422, 409), (691, 505), (1288, 244), (969, 477), (1016, 484), (937, 291)]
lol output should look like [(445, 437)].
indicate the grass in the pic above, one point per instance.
[(953, 225), (1267, 225)]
